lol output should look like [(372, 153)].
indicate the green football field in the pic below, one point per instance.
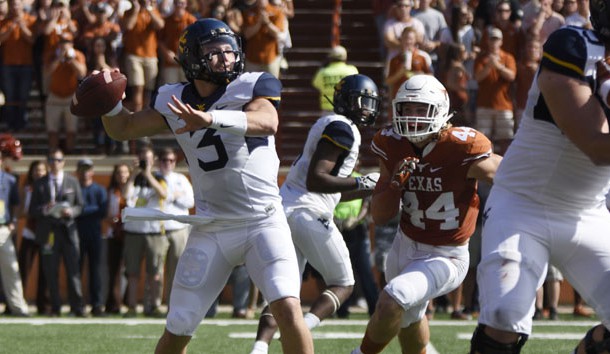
[(223, 335)]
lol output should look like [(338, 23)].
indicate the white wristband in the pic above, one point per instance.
[(234, 122), (116, 110), (604, 89)]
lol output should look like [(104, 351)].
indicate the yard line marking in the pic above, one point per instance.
[(319, 335), (233, 322), (563, 336), (314, 334), (136, 336)]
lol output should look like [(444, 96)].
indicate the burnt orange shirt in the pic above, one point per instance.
[(105, 29), (494, 91), (16, 50), (51, 40), (64, 80), (141, 40), (170, 34), (419, 65), (262, 48), (439, 203)]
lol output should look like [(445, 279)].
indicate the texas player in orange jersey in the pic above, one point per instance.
[(429, 169)]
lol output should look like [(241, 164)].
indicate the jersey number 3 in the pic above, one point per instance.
[(209, 139)]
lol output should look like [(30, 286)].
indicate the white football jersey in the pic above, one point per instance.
[(542, 163), (234, 177), (338, 130)]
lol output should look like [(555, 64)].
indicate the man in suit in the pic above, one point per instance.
[(56, 201)]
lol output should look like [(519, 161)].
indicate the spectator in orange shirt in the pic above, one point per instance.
[(409, 61), (16, 42), (101, 27), (263, 25), (140, 25), (59, 25), (495, 70), (511, 32), (63, 72), (175, 23)]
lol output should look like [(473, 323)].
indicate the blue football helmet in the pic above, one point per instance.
[(357, 98), (196, 64)]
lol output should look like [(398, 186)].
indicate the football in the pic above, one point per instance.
[(98, 94)]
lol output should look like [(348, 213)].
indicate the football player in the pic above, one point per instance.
[(224, 121), (547, 203), (429, 170), (317, 180)]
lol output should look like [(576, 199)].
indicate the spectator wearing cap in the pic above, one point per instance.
[(495, 70), (9, 270), (89, 225), (63, 72), (330, 74), (512, 36)]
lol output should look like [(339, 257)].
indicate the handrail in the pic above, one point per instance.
[(336, 29)]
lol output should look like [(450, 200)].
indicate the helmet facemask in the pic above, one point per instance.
[(195, 45), (230, 71), (362, 107), (357, 98), (420, 109)]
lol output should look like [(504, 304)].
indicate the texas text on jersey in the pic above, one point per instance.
[(438, 196)]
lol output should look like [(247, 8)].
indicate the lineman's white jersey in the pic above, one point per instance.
[(542, 163), (338, 130), (234, 177)]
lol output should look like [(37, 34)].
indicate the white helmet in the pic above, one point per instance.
[(421, 89)]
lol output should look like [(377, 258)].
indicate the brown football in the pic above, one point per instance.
[(98, 94)]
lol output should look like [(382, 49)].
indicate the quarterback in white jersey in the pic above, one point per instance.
[(313, 189), (548, 199), (224, 122)]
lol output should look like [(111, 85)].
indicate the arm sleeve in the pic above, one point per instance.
[(340, 134), (565, 52), (269, 87)]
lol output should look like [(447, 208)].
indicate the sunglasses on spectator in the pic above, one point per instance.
[(54, 159), (168, 160)]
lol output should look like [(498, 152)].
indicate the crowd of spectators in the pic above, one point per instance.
[(485, 53), (52, 44)]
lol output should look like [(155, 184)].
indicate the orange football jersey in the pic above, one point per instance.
[(439, 202)]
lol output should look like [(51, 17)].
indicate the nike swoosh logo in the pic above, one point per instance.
[(435, 169), (226, 126), (221, 107)]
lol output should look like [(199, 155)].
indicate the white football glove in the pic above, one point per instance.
[(603, 79), (367, 182)]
